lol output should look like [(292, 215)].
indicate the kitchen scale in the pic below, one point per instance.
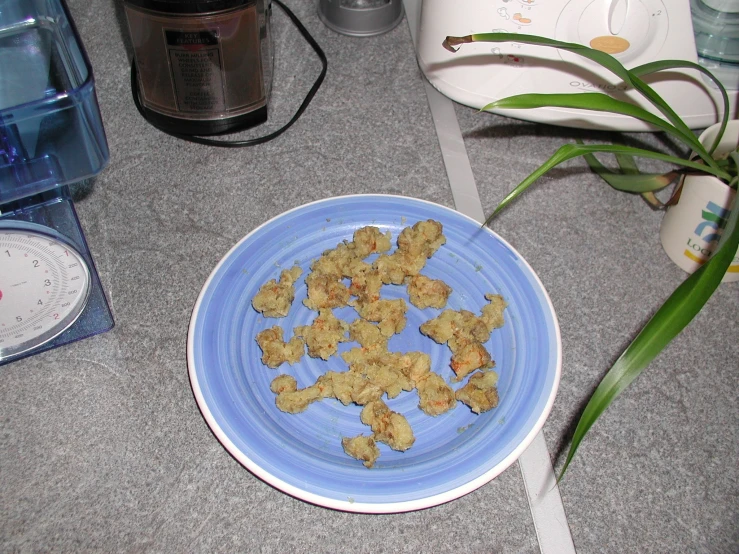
[(634, 31), (51, 136)]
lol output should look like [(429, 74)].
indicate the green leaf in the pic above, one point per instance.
[(679, 310), (628, 181), (657, 182), (631, 180), (605, 60), (608, 62), (627, 164), (734, 155), (569, 151), (661, 65), (595, 101)]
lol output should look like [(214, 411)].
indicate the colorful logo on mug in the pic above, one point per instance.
[(707, 234)]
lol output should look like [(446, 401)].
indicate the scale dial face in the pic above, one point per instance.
[(44, 286)]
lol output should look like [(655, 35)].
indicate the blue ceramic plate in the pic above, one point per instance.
[(301, 454)]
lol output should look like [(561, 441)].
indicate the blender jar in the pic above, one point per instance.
[(204, 67)]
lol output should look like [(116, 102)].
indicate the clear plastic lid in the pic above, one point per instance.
[(51, 132)]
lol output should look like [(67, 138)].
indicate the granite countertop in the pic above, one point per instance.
[(104, 448)]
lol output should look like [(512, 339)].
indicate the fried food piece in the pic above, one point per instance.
[(415, 245), (393, 372), (297, 401), (372, 373), (424, 237), (387, 426), (274, 299), (435, 396), (394, 268), (424, 292), (346, 259), (388, 314), (465, 334), (441, 328), (289, 398), (366, 334), (386, 375), (492, 312), (275, 351), (468, 357), (362, 448), (283, 383), (335, 262), (292, 400), (452, 324), (325, 291), (415, 365), (351, 386), (480, 393), (460, 325), (369, 240), (325, 385), (376, 367), (366, 286), (325, 288), (363, 355), (324, 334), (471, 328)]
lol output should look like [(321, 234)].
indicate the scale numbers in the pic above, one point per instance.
[(44, 286)]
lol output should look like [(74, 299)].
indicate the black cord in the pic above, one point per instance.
[(258, 140)]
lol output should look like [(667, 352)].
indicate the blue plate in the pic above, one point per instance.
[(301, 454)]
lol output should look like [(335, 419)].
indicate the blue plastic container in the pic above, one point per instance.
[(51, 132)]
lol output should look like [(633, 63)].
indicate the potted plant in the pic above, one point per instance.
[(690, 297)]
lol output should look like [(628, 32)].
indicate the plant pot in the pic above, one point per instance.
[(691, 228)]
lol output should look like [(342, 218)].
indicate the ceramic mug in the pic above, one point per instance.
[(691, 229)]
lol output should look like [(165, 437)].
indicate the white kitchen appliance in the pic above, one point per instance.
[(637, 32)]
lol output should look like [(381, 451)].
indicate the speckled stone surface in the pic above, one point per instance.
[(103, 447)]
